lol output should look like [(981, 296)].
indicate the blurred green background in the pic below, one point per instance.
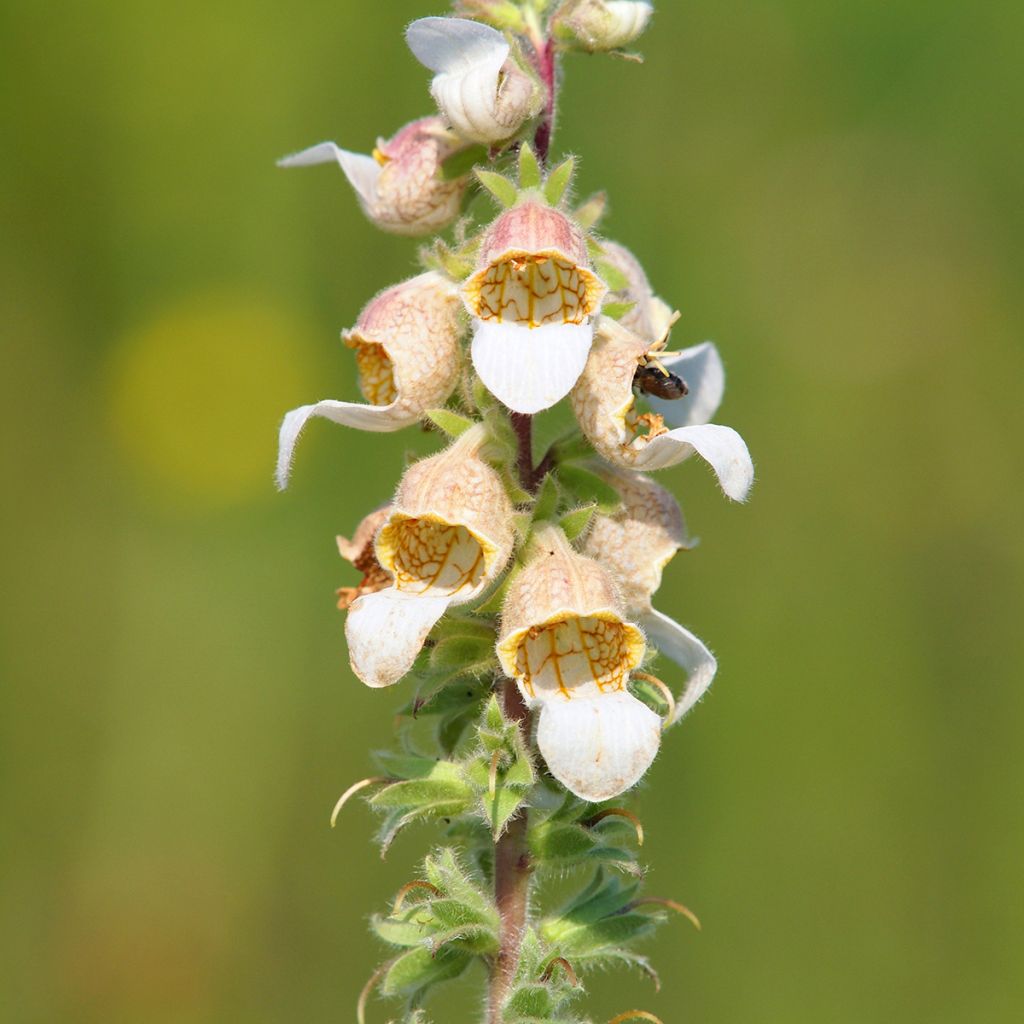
[(831, 191)]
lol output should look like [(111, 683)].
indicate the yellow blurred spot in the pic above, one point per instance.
[(197, 393)]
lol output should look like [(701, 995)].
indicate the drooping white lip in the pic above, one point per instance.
[(361, 170), (678, 644), (701, 367), (376, 418), (530, 369), (599, 746), (386, 631)]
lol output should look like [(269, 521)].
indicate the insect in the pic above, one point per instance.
[(651, 377)]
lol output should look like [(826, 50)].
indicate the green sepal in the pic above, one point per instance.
[(462, 162), (575, 523), (465, 655), (558, 181), (546, 503), (413, 973), (650, 695), (616, 310), (609, 273), (450, 423), (496, 600), (589, 213), (498, 185), (444, 871), (529, 168), (587, 488)]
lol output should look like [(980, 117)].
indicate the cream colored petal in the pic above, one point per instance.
[(598, 747), (386, 631), (721, 447), (363, 172), (701, 367), (530, 369), (453, 46), (678, 644), (378, 418)]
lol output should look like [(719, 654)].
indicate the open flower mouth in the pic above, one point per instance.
[(428, 555), (575, 650), (376, 371), (534, 289)]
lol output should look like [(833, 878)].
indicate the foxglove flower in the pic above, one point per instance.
[(406, 343), (446, 538), (400, 187), (479, 88), (532, 296), (634, 545), (566, 641), (605, 407), (600, 25), (649, 317)]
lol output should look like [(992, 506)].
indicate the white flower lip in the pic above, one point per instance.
[(605, 407), (678, 644), (533, 297), (565, 641), (483, 95), (446, 538), (701, 367), (400, 188), (407, 351)]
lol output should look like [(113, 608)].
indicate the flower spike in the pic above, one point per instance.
[(605, 407), (400, 187), (478, 87), (565, 640), (447, 537), (532, 297), (406, 343)]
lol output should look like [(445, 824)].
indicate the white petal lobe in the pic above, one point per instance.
[(455, 46), (386, 631), (680, 645), (721, 447), (376, 418), (701, 367), (598, 747), (362, 171), (530, 369)]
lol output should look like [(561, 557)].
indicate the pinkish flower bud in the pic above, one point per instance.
[(407, 350), (479, 88), (400, 187), (533, 296)]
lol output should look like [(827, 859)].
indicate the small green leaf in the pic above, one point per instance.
[(610, 274), (546, 503), (529, 169), (494, 718), (461, 162), (494, 603), (467, 655), (590, 213), (498, 185), (588, 488), (558, 181), (451, 423), (575, 523), (560, 843), (616, 310), (420, 969)]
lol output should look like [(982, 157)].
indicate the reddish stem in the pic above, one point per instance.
[(548, 70)]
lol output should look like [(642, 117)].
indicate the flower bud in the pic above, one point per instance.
[(447, 537), (598, 25), (564, 639), (400, 187), (533, 296), (483, 94), (406, 342), (606, 409)]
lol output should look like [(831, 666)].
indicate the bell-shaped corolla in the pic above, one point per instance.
[(406, 344), (446, 539)]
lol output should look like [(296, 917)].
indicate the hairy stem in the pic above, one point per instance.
[(511, 879), (522, 424), (548, 70)]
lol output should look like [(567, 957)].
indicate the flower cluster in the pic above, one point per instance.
[(514, 595)]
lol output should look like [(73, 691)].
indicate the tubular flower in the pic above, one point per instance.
[(565, 640), (532, 296), (446, 538), (635, 545), (406, 343), (360, 552), (479, 88), (605, 24), (605, 407), (400, 187)]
